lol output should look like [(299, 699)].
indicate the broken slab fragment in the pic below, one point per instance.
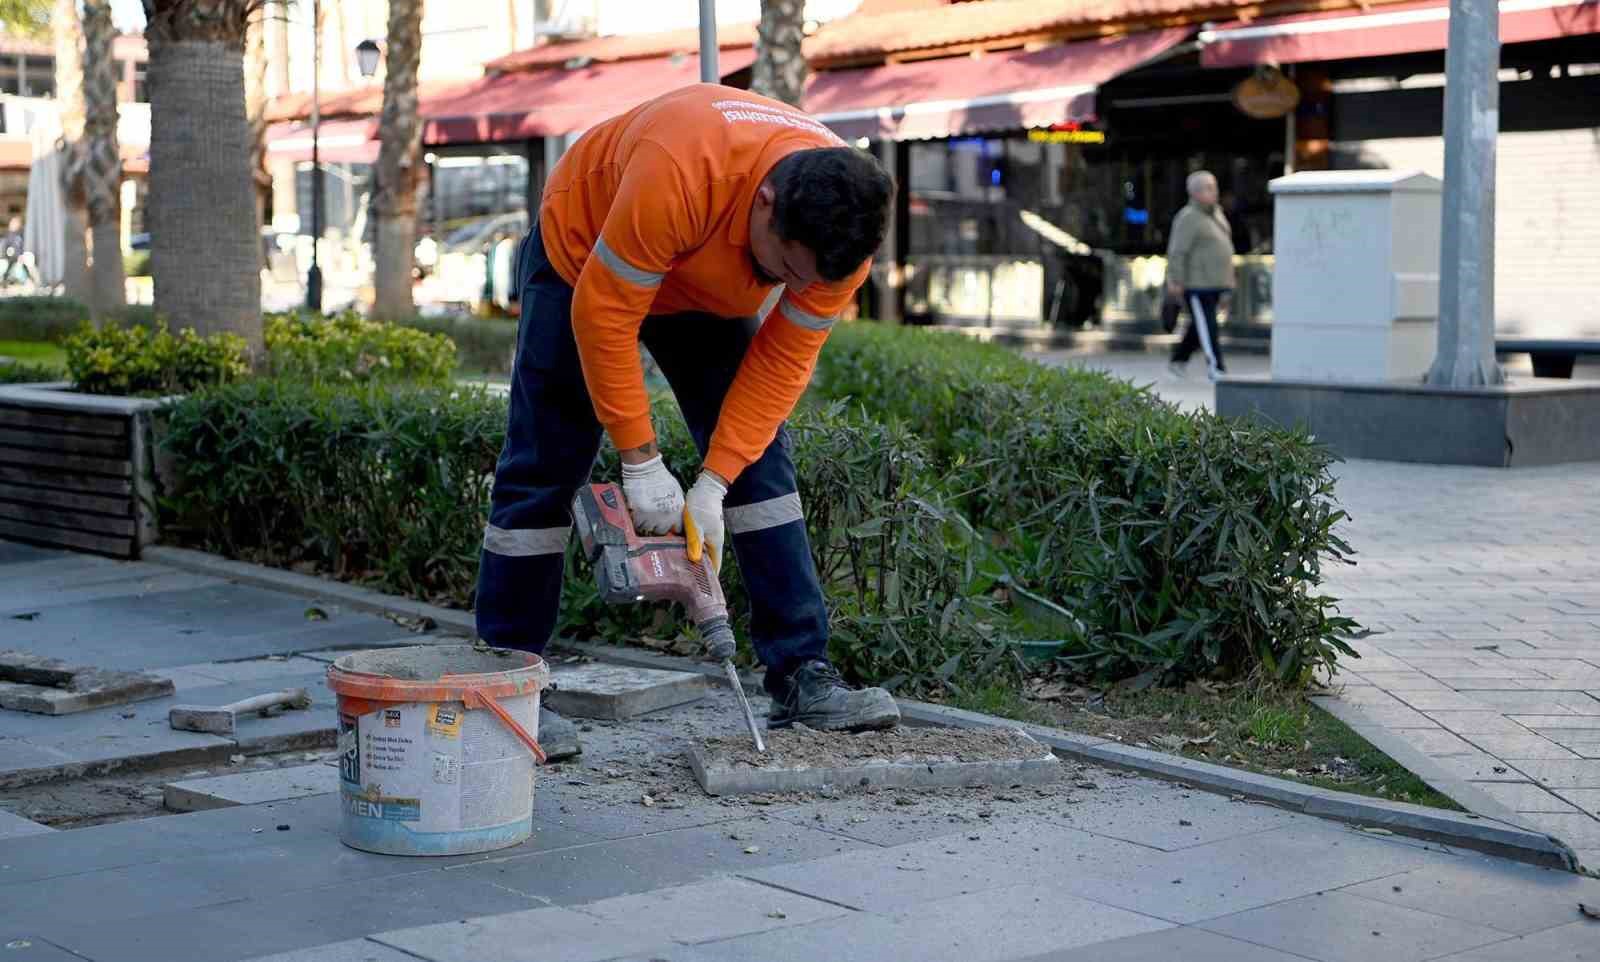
[(49, 686), (250, 788), (615, 692), (803, 760)]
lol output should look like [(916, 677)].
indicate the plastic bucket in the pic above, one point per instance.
[(437, 748)]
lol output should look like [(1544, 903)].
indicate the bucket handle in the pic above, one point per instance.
[(482, 699)]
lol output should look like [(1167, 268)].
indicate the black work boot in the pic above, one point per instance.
[(816, 697), (558, 737)]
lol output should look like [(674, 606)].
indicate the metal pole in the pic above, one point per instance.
[(709, 74), (1466, 355), (1289, 131), (314, 277)]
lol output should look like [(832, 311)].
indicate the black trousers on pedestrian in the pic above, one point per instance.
[(1202, 329)]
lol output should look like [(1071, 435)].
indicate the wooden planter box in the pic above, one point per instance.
[(77, 470)]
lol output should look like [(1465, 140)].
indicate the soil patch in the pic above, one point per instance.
[(802, 747)]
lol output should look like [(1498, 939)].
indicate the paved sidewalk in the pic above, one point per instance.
[(1482, 588)]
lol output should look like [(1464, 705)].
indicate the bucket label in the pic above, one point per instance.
[(349, 750), (439, 768), (381, 807), (444, 721)]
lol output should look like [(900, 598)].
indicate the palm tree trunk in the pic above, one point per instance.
[(67, 34), (203, 242), (102, 168), (780, 67), (255, 106), (395, 205)]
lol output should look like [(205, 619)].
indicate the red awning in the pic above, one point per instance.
[(1383, 31), (338, 141), (952, 96), (554, 100)]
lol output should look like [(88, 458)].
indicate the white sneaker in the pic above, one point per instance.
[(1177, 369)]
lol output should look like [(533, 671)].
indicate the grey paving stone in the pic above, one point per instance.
[(1525, 797), (1569, 773), (15, 826), (1241, 873), (880, 880), (1183, 944), (148, 582), (530, 936), (251, 788), (597, 690), (1159, 822), (246, 928), (1005, 923), (1586, 799), (1579, 830), (717, 909), (22, 948), (1344, 928), (355, 950), (1515, 899), (1521, 747), (625, 866), (1574, 942), (1435, 742), (1468, 723)]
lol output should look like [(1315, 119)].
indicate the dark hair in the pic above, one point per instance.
[(835, 201)]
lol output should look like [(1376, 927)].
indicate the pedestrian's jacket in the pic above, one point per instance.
[(649, 213), (1200, 250)]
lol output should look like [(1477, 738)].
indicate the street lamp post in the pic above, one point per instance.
[(314, 276), (709, 74)]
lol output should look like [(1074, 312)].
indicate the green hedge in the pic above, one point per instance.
[(1184, 543), (152, 361), (22, 372), (349, 348), (390, 486), (54, 319)]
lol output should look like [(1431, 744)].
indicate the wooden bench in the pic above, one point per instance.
[(1551, 358), (76, 470)]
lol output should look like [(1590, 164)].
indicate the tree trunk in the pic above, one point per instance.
[(395, 204), (780, 67), (255, 106), (67, 33), (102, 168), (203, 246)]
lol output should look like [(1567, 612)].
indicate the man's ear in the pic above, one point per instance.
[(765, 196)]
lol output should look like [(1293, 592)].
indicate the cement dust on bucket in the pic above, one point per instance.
[(437, 748)]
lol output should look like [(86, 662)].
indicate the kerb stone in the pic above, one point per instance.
[(718, 777)]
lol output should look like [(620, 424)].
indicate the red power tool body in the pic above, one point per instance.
[(631, 568)]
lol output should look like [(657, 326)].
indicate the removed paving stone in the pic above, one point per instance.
[(250, 788), (615, 692), (50, 686), (803, 760)]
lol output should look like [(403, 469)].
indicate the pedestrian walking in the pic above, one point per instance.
[(1200, 271)]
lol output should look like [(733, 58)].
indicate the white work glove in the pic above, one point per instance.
[(655, 498), (702, 518)]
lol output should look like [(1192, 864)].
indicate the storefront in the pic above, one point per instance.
[(1384, 72)]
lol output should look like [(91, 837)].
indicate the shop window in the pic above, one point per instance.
[(38, 76), (10, 76)]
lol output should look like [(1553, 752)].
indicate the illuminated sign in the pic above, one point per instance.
[(1067, 133)]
